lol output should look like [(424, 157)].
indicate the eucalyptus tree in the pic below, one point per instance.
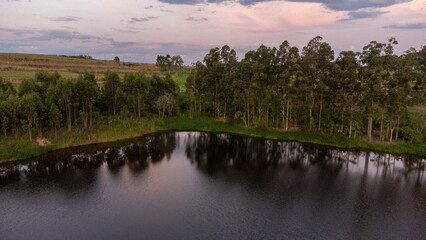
[(348, 85), (111, 86), (213, 75), (63, 93), (165, 103), (287, 67), (29, 105), (44, 80), (86, 92), (136, 86), (228, 60), (27, 86), (55, 118), (244, 85), (372, 80), (316, 62)]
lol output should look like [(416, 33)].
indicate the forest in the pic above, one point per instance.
[(373, 95), (366, 94)]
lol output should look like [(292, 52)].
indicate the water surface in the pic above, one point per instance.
[(191, 185)]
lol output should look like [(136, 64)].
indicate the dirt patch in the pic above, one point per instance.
[(43, 142)]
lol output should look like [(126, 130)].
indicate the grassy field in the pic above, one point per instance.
[(15, 67), (114, 128)]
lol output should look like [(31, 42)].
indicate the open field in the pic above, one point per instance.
[(15, 67)]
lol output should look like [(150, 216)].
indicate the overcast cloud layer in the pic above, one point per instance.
[(139, 30)]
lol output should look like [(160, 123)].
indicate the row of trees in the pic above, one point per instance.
[(50, 102), (358, 94), (373, 94), (169, 63)]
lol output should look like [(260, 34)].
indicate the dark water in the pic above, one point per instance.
[(212, 186)]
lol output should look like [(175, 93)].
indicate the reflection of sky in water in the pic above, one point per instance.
[(197, 185)]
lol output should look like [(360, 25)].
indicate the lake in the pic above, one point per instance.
[(191, 185)]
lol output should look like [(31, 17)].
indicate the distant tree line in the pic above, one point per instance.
[(80, 56), (364, 93), (169, 63), (51, 102)]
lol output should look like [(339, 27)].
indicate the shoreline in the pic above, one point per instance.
[(210, 125)]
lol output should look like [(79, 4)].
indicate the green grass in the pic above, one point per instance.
[(210, 125), (106, 130), (180, 80), (113, 128)]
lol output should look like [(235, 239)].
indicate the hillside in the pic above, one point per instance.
[(16, 66)]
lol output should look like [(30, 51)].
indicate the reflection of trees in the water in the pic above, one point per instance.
[(136, 155), (214, 152)]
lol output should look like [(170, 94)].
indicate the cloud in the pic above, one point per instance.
[(189, 2), (166, 10), (142, 19), (124, 31), (66, 19), (47, 35), (407, 26), (351, 5), (17, 32), (363, 14), (67, 27), (337, 5), (193, 19), (148, 7)]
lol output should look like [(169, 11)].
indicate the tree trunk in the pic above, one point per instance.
[(69, 117), (387, 131), (397, 129), (114, 102), (320, 112), (248, 112), (370, 127), (352, 106), (381, 127), (283, 117), (85, 115), (288, 109), (75, 108), (341, 123), (139, 105), (391, 131), (90, 115), (29, 130), (310, 118), (267, 117)]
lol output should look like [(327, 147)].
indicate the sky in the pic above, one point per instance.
[(139, 30)]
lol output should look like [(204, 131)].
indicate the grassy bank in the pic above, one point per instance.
[(210, 125), (105, 130), (112, 129)]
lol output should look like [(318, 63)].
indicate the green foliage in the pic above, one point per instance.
[(373, 95), (165, 103), (169, 63), (54, 116)]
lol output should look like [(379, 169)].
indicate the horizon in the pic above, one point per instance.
[(141, 30)]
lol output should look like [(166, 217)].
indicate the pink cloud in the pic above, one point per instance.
[(274, 16)]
